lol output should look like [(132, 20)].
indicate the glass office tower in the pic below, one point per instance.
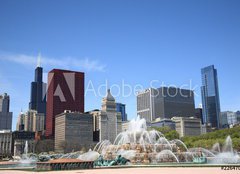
[(122, 108), (210, 97)]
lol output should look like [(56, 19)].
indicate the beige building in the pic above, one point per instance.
[(73, 131), (187, 126), (107, 120), (38, 122), (31, 121), (5, 143)]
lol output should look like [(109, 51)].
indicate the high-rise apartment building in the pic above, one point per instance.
[(210, 97), (5, 115), (165, 102), (65, 92), (146, 104)]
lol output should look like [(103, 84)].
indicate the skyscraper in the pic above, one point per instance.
[(73, 131), (145, 104), (108, 120), (30, 121), (38, 91), (5, 115), (210, 97), (65, 92), (122, 108), (165, 102)]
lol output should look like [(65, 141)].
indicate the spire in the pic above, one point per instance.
[(109, 96), (39, 60), (108, 102)]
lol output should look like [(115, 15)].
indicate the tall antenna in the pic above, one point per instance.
[(39, 60)]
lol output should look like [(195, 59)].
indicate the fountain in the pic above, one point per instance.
[(139, 146), (142, 146), (136, 146), (216, 148), (26, 148), (25, 154), (26, 157), (228, 155), (228, 145)]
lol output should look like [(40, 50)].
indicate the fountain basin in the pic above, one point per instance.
[(64, 164), (17, 165)]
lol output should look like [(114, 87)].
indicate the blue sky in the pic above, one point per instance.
[(132, 40)]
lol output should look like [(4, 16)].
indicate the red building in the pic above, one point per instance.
[(65, 92)]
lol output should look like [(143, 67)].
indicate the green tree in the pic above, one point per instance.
[(168, 132)]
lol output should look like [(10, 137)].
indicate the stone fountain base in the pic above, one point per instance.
[(64, 164)]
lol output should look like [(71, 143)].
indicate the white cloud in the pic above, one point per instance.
[(47, 62)]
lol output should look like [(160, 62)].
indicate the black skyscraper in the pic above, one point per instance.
[(38, 91)]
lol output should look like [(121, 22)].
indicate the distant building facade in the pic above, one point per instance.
[(5, 115), (198, 114), (31, 121), (210, 97), (223, 120), (108, 120), (122, 109), (5, 144), (146, 104), (164, 123), (165, 102), (19, 139), (187, 126), (73, 130), (65, 92), (34, 121), (229, 118), (20, 122), (238, 116)]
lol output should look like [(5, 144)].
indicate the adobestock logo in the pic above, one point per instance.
[(66, 82), (126, 90), (118, 90)]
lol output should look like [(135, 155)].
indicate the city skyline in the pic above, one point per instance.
[(135, 46)]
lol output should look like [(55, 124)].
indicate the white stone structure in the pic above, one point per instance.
[(107, 121), (5, 143), (188, 126)]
